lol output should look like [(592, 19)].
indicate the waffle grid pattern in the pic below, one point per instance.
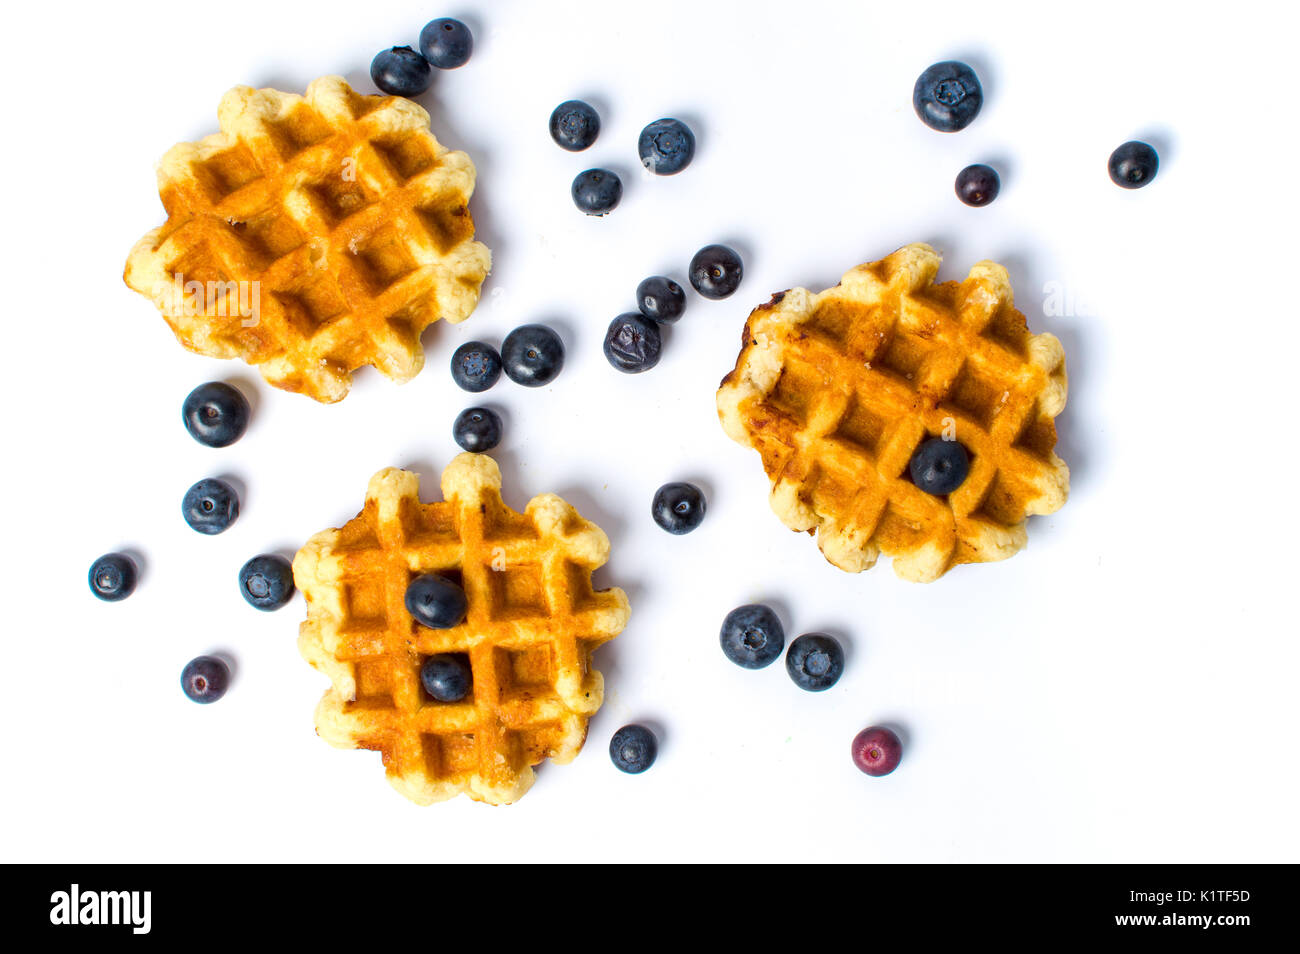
[(532, 624), (836, 390), (345, 211)]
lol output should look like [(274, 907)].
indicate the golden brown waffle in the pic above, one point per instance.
[(532, 624), (313, 235), (835, 390)]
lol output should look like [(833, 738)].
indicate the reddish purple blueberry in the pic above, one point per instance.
[(877, 750)]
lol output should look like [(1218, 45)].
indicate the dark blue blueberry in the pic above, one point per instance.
[(752, 636), (446, 43), (633, 749), (477, 429), (205, 679), (112, 577), (401, 72), (666, 146), (210, 506), (678, 507), (947, 96), (1133, 165), (939, 466), (815, 662), (978, 185), (266, 581), (435, 601), (632, 343), (597, 191), (574, 125), (215, 414), (532, 355), (661, 299), (447, 677), (475, 366), (716, 271)]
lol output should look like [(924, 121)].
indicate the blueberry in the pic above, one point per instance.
[(266, 581), (947, 96), (401, 72), (475, 366), (939, 466), (477, 429), (978, 185), (632, 343), (667, 146), (814, 661), (435, 601), (574, 125), (112, 577), (532, 355), (446, 43), (716, 271), (447, 677), (678, 508), (876, 750), (210, 506), (1133, 165), (752, 636), (215, 414), (597, 191), (633, 749), (205, 679), (661, 299)]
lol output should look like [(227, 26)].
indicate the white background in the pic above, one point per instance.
[(1124, 689)]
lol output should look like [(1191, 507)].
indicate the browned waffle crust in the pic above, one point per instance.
[(836, 390), (338, 217), (532, 624)]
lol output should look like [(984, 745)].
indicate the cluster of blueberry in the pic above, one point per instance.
[(531, 355), (666, 147), (633, 342), (948, 96), (401, 71), (216, 415), (752, 637)]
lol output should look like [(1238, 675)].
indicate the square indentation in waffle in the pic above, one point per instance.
[(375, 684), (796, 390), (268, 236), (336, 197), (832, 320), (404, 156), (976, 394), (450, 755), (532, 623), (365, 604), (312, 304), (1038, 435), (301, 129), (863, 428), (299, 192), (525, 671), (836, 390), (446, 223), (227, 171), (516, 592), (902, 357), (206, 281), (383, 258)]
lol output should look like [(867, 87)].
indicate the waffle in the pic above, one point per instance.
[(532, 624), (313, 235), (836, 390)]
